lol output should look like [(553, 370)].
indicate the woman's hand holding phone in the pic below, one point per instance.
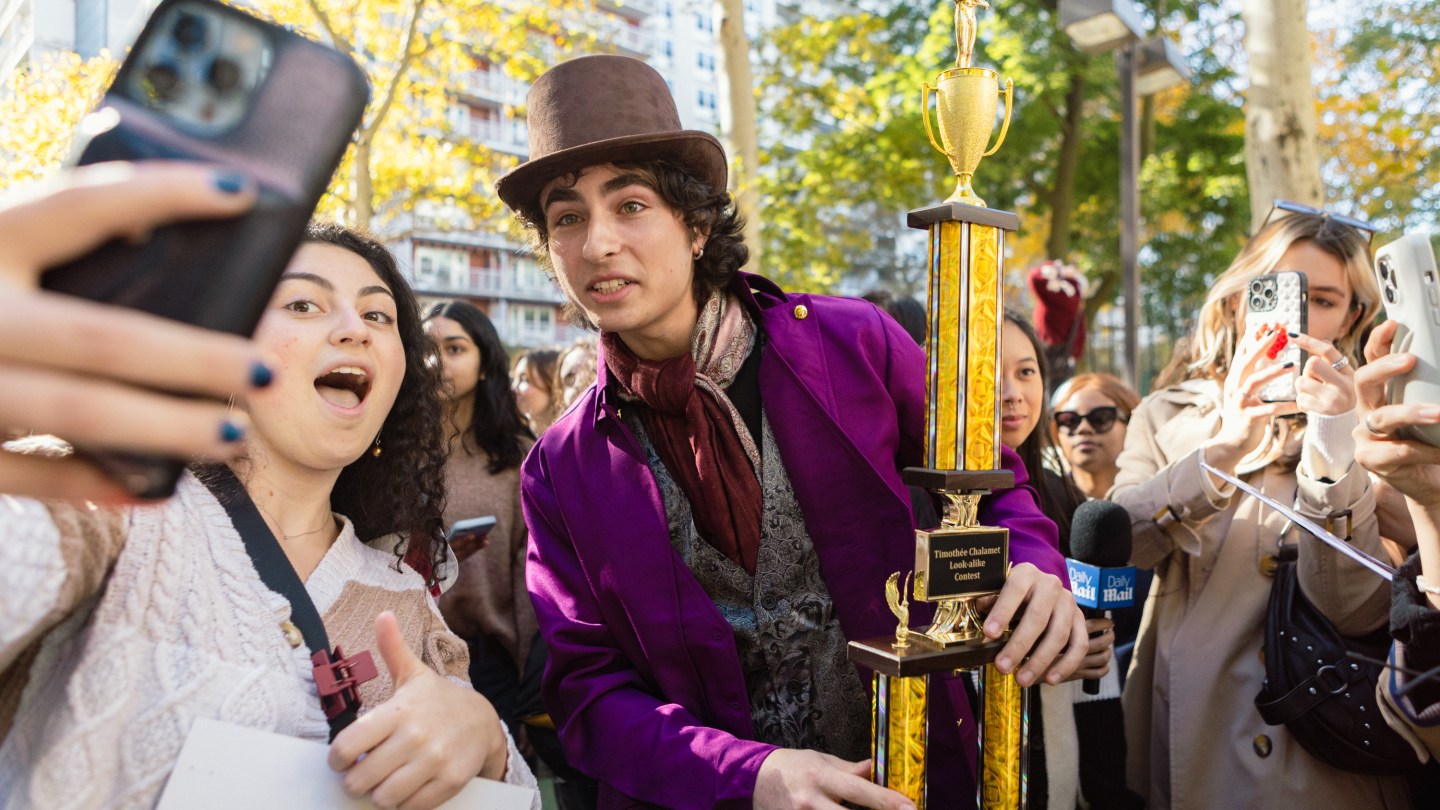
[(1327, 383), (1411, 467), (1244, 417), (89, 372)]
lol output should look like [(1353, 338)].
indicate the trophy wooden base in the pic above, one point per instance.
[(958, 480), (922, 656)]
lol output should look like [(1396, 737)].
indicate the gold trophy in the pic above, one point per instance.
[(966, 100), (959, 561)]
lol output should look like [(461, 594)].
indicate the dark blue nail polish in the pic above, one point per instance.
[(260, 375), (1293, 334), (1288, 365), (230, 182), (230, 432)]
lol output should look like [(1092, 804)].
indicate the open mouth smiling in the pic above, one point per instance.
[(344, 387)]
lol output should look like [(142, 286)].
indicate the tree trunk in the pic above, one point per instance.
[(1282, 156), (1062, 196), (361, 207), (745, 151)]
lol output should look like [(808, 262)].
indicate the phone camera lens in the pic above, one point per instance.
[(1256, 302), (189, 32), (163, 79), (1384, 267), (224, 75), (1390, 294)]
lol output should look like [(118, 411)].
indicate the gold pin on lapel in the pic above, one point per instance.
[(801, 312)]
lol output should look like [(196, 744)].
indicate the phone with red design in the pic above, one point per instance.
[(207, 82), (1410, 289), (1280, 299)]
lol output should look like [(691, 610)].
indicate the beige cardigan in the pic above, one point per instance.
[(1195, 738), (118, 628)]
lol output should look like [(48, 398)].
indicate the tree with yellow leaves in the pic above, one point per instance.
[(39, 108), (418, 54)]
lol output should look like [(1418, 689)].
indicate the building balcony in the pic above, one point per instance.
[(493, 85), (635, 9), (510, 136), (624, 37)]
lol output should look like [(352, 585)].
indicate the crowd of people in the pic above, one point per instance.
[(694, 512)]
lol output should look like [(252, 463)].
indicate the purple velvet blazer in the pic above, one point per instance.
[(643, 679)]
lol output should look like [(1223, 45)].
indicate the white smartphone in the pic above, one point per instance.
[(1406, 271), (1280, 298)]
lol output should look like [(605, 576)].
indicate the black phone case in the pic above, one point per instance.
[(220, 274)]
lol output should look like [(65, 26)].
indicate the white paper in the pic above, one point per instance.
[(228, 767)]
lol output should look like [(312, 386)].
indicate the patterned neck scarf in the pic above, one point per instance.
[(696, 429)]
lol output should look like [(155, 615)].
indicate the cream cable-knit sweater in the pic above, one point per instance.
[(119, 627)]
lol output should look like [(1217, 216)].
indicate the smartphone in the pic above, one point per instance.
[(1284, 299), (471, 531), (207, 82), (1406, 271)]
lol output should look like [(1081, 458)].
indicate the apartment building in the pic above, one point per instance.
[(678, 37)]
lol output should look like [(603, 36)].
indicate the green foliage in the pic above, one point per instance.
[(848, 89), (1380, 115)]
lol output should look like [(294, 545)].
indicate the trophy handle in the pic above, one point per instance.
[(1009, 93), (925, 91)]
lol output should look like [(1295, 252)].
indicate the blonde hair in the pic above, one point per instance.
[(1212, 345)]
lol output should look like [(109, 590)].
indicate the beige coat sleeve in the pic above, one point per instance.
[(1356, 600), (1168, 499)]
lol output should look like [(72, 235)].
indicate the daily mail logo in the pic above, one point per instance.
[(1101, 588)]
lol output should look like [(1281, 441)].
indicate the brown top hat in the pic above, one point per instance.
[(605, 109)]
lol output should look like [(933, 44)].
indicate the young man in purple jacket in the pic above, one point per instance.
[(714, 519)]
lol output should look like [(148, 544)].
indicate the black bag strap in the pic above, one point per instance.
[(275, 570)]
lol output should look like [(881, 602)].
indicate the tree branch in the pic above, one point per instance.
[(409, 55), (337, 42)]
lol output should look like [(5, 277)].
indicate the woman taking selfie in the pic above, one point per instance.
[(1190, 699), (128, 623)]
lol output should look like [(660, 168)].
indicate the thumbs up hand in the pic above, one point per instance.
[(426, 742)]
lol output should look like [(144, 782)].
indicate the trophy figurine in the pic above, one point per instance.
[(966, 100), (959, 561)]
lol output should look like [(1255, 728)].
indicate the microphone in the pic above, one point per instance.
[(1101, 577)]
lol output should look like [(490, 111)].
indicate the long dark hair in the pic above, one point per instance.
[(703, 210), (1058, 494), (496, 423), (402, 490)]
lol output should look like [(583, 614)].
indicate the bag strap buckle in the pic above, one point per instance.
[(1331, 679), (338, 679)]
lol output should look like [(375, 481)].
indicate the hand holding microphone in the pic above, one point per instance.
[(1101, 577)]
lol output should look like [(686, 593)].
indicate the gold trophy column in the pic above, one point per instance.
[(960, 560)]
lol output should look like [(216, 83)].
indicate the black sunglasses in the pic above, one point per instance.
[(1101, 419), (1291, 207)]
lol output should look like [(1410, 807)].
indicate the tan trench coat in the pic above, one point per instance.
[(1194, 737)]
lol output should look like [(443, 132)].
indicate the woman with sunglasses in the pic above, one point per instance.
[(1190, 698), (1089, 426), (1076, 741)]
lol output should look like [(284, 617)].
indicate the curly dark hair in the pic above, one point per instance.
[(402, 490), (1060, 497), (702, 209), (497, 426)]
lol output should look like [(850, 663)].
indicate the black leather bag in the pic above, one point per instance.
[(1318, 691)]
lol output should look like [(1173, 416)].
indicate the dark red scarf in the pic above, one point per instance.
[(696, 430)]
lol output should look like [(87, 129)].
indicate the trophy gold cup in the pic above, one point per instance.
[(959, 561), (966, 100)]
